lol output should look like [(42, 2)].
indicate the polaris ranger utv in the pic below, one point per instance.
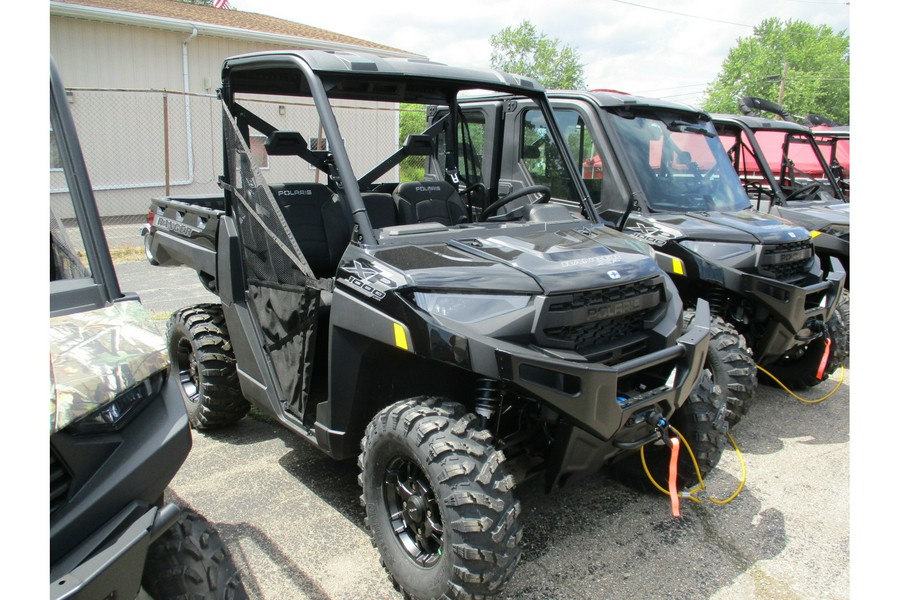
[(785, 174), (656, 170), (364, 305), (118, 428)]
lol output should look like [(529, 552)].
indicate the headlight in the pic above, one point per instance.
[(116, 413), (717, 250), (469, 308)]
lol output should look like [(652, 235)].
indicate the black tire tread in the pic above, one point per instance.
[(732, 365), (220, 401), (190, 561), (470, 475)]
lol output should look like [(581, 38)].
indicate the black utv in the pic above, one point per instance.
[(785, 174), (368, 306), (118, 427), (656, 171)]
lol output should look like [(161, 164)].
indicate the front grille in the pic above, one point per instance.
[(786, 262), (607, 322), (60, 482)]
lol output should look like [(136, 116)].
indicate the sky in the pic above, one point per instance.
[(660, 48)]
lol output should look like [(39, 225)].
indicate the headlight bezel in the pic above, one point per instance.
[(114, 415), (468, 308)]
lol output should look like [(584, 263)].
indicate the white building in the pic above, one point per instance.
[(142, 76)]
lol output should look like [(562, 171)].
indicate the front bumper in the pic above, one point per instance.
[(791, 309), (100, 535), (116, 570), (590, 395)]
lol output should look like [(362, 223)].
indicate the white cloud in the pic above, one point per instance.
[(623, 46)]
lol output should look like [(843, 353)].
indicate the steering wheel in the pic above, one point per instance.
[(806, 190), (544, 197)]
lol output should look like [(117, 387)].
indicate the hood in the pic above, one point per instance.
[(542, 262), (746, 226), (97, 355), (814, 216)]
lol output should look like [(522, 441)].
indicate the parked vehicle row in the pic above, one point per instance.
[(494, 315)]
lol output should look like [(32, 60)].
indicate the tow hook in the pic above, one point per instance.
[(817, 329), (662, 428)]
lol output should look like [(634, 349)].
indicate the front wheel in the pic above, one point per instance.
[(439, 501), (731, 365), (191, 561)]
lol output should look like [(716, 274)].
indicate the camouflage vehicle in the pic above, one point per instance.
[(118, 428)]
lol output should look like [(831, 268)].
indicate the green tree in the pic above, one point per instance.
[(413, 120), (525, 51), (806, 66)]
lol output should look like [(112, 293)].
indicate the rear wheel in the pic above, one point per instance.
[(802, 369), (439, 501), (201, 355), (731, 365), (701, 420), (191, 561)]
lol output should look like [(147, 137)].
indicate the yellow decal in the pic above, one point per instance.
[(814, 233), (400, 337), (677, 266)]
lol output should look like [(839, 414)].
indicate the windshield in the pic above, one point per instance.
[(679, 163), (799, 168)]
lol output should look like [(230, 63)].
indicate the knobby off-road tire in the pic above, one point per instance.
[(439, 501), (203, 362), (800, 371), (190, 561), (843, 308), (732, 366), (702, 421)]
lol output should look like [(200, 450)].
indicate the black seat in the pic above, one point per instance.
[(429, 202), (320, 225), (381, 209)]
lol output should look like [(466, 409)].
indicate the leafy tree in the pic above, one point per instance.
[(525, 51), (812, 61), (412, 120)]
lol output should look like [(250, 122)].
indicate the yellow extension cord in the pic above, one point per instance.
[(701, 486), (804, 400)]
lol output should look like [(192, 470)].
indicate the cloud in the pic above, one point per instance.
[(622, 45)]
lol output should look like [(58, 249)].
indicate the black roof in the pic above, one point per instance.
[(364, 76)]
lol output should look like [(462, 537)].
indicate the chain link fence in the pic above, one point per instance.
[(141, 144)]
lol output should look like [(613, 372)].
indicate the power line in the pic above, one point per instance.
[(681, 14), (672, 12)]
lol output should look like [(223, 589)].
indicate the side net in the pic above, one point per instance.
[(284, 294)]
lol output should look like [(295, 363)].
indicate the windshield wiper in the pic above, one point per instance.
[(685, 127)]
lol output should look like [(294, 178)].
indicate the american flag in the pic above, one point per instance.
[(221, 3)]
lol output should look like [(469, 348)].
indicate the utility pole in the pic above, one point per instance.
[(781, 88)]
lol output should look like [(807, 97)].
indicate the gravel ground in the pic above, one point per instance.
[(292, 520)]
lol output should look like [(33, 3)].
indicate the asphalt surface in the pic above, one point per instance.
[(292, 521)]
